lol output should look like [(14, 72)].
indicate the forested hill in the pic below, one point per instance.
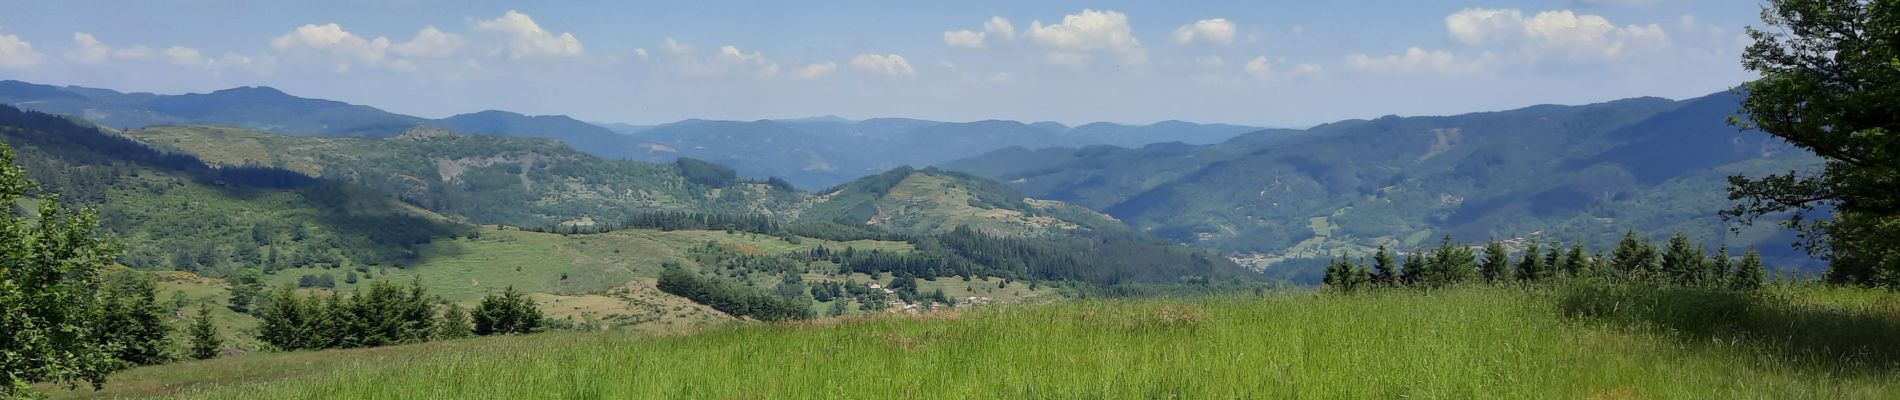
[(173, 211), (929, 201), (1566, 172), (488, 179)]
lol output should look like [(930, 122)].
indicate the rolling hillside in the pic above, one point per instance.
[(1566, 172), (176, 212), (486, 179)]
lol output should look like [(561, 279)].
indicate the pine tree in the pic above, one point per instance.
[(454, 324), (1361, 277), (1719, 265), (1384, 272), (1531, 267), (1575, 262), (1682, 262), (1414, 269), (1748, 275), (1633, 257), (1450, 264), (205, 340), (132, 321), (1496, 262), (509, 313)]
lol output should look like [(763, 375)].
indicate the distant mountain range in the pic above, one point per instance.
[(812, 153), (1562, 172)]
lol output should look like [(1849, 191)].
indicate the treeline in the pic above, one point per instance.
[(386, 315), (737, 300), (1678, 262), (751, 223)]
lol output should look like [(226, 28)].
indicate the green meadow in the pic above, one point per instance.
[(1790, 341)]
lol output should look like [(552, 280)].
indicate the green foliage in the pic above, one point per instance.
[(1748, 274), (737, 300), (1829, 86), (509, 313), (454, 323), (174, 211), (49, 267), (387, 314), (1496, 262), (205, 341), (1684, 263), (133, 322), (1634, 257)]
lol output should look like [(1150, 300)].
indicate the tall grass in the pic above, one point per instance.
[(1457, 343)]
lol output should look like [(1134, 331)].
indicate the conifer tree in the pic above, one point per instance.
[(1414, 268), (1633, 257), (132, 321), (1719, 265), (1575, 262), (1496, 262), (1531, 267), (1682, 262), (1748, 275), (454, 324), (1384, 272), (205, 340)]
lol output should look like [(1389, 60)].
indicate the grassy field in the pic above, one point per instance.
[(1461, 343)]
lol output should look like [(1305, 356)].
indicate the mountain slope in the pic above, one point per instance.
[(930, 201), (486, 179), (174, 211), (1568, 172)]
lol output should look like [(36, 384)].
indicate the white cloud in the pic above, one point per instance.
[(16, 53), (1000, 27), (1215, 31), (430, 43), (997, 30), (528, 40), (1416, 61), (730, 60), (1003, 77), (642, 52), (1260, 68), (185, 56), (814, 71), (1209, 62), (888, 65), (1089, 32), (1564, 34), (964, 39), (331, 40), (89, 50)]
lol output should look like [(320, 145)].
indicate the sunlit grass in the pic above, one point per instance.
[(1460, 343)]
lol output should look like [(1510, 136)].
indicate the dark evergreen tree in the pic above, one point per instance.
[(1496, 262), (206, 342), (1748, 274), (1531, 267), (1384, 272), (1682, 262), (508, 313), (1634, 258), (454, 324), (1720, 265), (1576, 262), (133, 323)]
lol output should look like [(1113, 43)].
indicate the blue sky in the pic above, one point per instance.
[(1273, 63)]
